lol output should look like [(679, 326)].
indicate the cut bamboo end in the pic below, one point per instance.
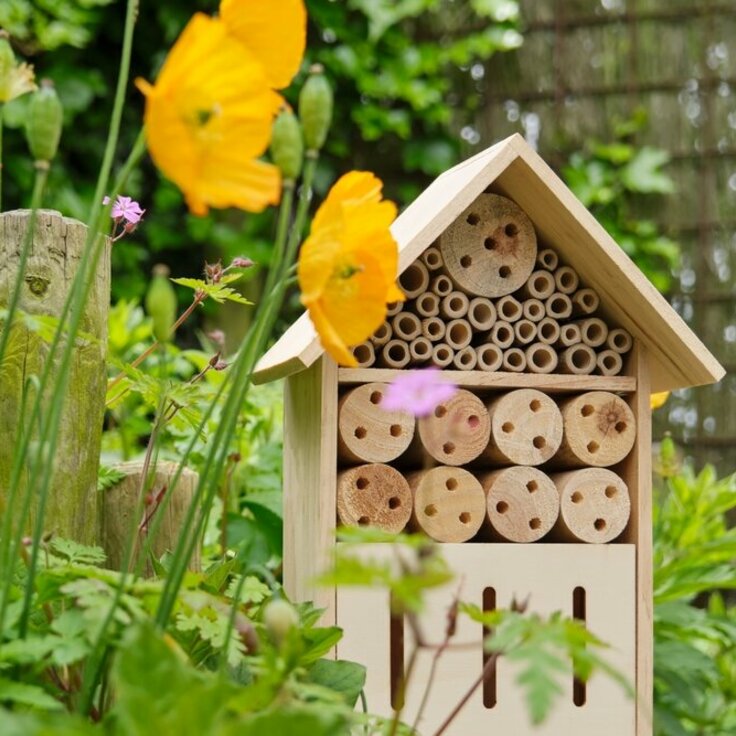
[(569, 335), (522, 504), (459, 333), (465, 359), (394, 308), (514, 360), (367, 433), (414, 280), (585, 302), (454, 305), (490, 357), (600, 430), (382, 335), (449, 504), (526, 428), (509, 309), (433, 328), (420, 349), (593, 331), (541, 285), (558, 306), (547, 259), (374, 495), (533, 309), (432, 258), (548, 331), (525, 332), (502, 334), (481, 313), (566, 280), (578, 360), (395, 354), (441, 285), (406, 326), (620, 340), (365, 354), (594, 506), (442, 355), (427, 304), (540, 358), (610, 363), (457, 431), (491, 248)]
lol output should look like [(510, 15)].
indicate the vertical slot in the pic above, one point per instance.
[(578, 613), (396, 644), (489, 680)]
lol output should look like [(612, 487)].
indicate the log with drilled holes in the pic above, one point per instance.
[(373, 495), (594, 506), (448, 503)]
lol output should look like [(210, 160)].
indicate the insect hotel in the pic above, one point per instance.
[(535, 476)]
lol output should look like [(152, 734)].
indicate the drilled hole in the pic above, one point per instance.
[(576, 497), (362, 483), (504, 272), (394, 502), (440, 411), (430, 510), (600, 524), (473, 421), (466, 261), (376, 397), (364, 521), (535, 405), (502, 507), (360, 432), (511, 230), (587, 410), (539, 442), (451, 484), (473, 219), (395, 430), (620, 427), (593, 447), (507, 427), (532, 486), (489, 244), (535, 523), (448, 448), (611, 491), (464, 517)]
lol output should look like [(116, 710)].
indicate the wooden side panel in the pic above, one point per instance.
[(310, 477)]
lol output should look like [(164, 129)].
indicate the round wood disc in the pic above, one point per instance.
[(491, 249)]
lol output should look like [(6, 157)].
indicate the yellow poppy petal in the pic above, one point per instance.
[(353, 189), (658, 399), (329, 338)]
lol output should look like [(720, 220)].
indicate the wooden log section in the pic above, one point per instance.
[(594, 506), (578, 359), (619, 340), (448, 504), (414, 280), (540, 358), (566, 280), (609, 362), (395, 354), (522, 504), (406, 326), (459, 333), (509, 309), (490, 357), (432, 258), (547, 259), (548, 331), (382, 335), (584, 302), (368, 433), (525, 332), (541, 285), (457, 431), (364, 354), (491, 248), (420, 349), (514, 360), (465, 359), (593, 331), (373, 495), (526, 428), (502, 334), (427, 304), (481, 313), (569, 335), (433, 328), (394, 308), (533, 309), (442, 355), (454, 305), (558, 306), (600, 430), (441, 285)]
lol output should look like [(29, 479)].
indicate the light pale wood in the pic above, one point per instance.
[(454, 305), (441, 285), (365, 354), (433, 328), (491, 247), (609, 363), (600, 430), (579, 360), (558, 306), (533, 309), (525, 332), (593, 331), (414, 280), (540, 358), (594, 506), (368, 433), (459, 333), (432, 258), (566, 280), (420, 349), (382, 335), (449, 503), (373, 495), (585, 302), (569, 335), (540, 285), (509, 308), (548, 331), (490, 357), (502, 334), (442, 355), (526, 428), (465, 359), (406, 326), (547, 259), (619, 340), (395, 354), (427, 304), (394, 308), (482, 313), (514, 360)]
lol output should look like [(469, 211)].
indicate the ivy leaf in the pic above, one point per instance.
[(218, 292)]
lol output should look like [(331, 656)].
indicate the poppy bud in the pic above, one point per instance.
[(7, 59), (161, 303), (287, 145), (315, 108), (44, 122), (280, 617)]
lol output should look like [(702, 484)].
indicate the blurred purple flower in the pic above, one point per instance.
[(125, 208), (417, 392), (241, 262)]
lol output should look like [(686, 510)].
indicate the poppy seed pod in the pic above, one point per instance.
[(287, 145), (44, 123), (315, 108), (280, 617), (161, 303)]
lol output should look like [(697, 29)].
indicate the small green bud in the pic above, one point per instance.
[(161, 303), (315, 108), (280, 617), (44, 123), (287, 145)]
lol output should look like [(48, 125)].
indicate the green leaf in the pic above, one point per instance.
[(44, 724), (346, 678), (20, 693), (643, 174), (292, 720), (108, 477), (218, 292), (77, 553)]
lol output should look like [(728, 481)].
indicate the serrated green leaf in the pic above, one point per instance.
[(218, 292)]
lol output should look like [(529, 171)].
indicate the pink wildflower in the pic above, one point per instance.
[(241, 262), (417, 392), (126, 208)]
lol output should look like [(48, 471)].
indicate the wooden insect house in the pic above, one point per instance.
[(535, 476)]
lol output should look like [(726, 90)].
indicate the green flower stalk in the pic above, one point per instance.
[(161, 303), (287, 146), (315, 109)]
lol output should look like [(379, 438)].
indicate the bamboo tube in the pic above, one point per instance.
[(414, 280), (558, 306), (533, 309), (394, 308), (433, 328), (454, 305), (432, 258), (491, 248), (427, 304), (548, 331), (526, 428), (569, 335), (578, 360), (541, 285), (382, 335), (619, 340), (599, 430), (522, 504), (364, 354), (368, 433), (508, 309), (547, 259), (457, 431), (406, 326), (420, 349), (594, 506), (525, 331), (584, 302), (481, 313), (441, 285), (609, 362), (502, 334), (395, 354), (566, 280), (540, 358), (593, 331), (373, 495), (459, 334), (514, 360), (465, 359), (442, 355), (448, 504), (490, 357)]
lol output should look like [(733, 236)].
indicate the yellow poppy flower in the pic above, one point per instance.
[(657, 400), (348, 264)]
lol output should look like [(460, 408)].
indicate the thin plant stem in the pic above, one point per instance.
[(282, 228), (2, 108), (403, 683)]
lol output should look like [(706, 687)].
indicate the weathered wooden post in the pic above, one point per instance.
[(53, 261)]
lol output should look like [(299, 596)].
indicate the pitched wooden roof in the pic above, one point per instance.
[(512, 168)]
